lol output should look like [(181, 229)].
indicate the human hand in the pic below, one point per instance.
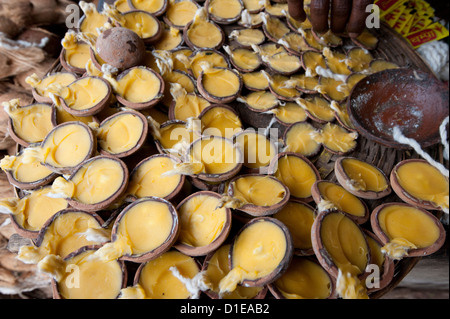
[(345, 15)]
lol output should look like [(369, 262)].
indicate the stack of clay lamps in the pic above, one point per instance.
[(183, 137)]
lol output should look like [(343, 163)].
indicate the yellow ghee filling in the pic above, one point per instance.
[(204, 58), (298, 218), (215, 155), (280, 85), (201, 221), (225, 9), (318, 107), (377, 256), (121, 133), (301, 139), (340, 199), (276, 28), (248, 37), (255, 190), (143, 228), (424, 182), (364, 176), (93, 182), (304, 279), (221, 121), (181, 13), (175, 136), (407, 228), (84, 277), (33, 210), (152, 6), (245, 59), (30, 123), (62, 116), (255, 80), (157, 279), (29, 171), (284, 62), (345, 243), (66, 146), (257, 252), (170, 39), (218, 268), (67, 233), (84, 93), (76, 54), (258, 150), (44, 86), (149, 179), (189, 105), (204, 34), (92, 19), (261, 100), (296, 174), (138, 86), (337, 138), (290, 113), (143, 24), (220, 82), (304, 82)]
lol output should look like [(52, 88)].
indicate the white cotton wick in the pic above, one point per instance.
[(194, 285), (399, 137), (443, 133)]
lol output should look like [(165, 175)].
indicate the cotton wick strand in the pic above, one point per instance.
[(399, 137), (444, 137)]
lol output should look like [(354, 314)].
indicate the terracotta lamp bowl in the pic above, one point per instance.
[(413, 100)]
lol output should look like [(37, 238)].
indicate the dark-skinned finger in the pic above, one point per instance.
[(357, 21), (319, 10), (296, 10), (340, 13)]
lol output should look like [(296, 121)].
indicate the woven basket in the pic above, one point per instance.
[(391, 47)]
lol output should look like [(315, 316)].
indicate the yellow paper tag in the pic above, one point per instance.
[(402, 20), (405, 30), (420, 24), (391, 18), (387, 6), (433, 32)]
